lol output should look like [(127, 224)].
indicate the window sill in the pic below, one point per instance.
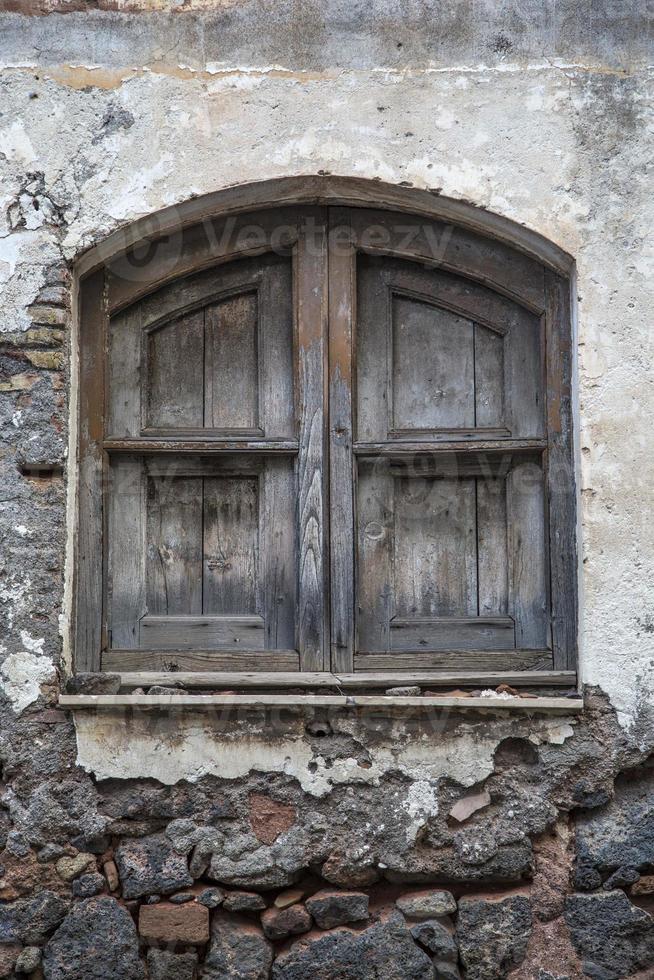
[(363, 680), (498, 704)]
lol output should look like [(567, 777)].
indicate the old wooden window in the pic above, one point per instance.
[(325, 438)]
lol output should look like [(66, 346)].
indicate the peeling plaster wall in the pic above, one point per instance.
[(539, 111), (187, 747), (107, 116)]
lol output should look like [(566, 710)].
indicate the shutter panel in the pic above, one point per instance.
[(202, 544), (451, 544)]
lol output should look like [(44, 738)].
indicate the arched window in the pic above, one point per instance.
[(326, 425)]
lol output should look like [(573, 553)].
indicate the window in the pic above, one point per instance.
[(326, 437)]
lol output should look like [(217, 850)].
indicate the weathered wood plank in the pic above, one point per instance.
[(187, 444), (454, 661), (432, 368), (435, 547), (172, 374), (492, 558), (173, 564), (230, 568), (375, 532), (276, 343), (489, 379), (341, 474), (311, 317), (202, 632), (362, 679), (126, 595), (231, 364), (88, 597), (201, 660), (450, 633), (124, 370), (407, 448), (523, 377), (561, 496), (527, 559), (189, 702), (278, 553)]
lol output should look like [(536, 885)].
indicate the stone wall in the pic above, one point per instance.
[(130, 839)]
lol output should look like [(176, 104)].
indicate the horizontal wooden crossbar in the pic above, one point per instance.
[(362, 680), (496, 704)]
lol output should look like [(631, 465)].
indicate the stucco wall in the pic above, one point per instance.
[(539, 112), (532, 113)]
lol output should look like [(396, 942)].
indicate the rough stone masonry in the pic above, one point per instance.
[(341, 847)]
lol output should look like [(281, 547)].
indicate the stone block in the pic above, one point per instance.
[(90, 683), (611, 936), (244, 902), (163, 965), (384, 949), (151, 865), (426, 904), (238, 950), (437, 938), (96, 939), (29, 920), (492, 935), (88, 885), (270, 818), (166, 923), (280, 923), (332, 908)]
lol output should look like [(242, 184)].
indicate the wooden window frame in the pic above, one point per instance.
[(485, 248)]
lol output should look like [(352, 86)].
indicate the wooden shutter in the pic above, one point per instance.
[(202, 537), (451, 537), (353, 450)]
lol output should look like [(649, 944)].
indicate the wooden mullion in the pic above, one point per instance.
[(311, 312), (561, 499), (342, 259)]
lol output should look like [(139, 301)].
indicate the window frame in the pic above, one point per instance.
[(488, 249)]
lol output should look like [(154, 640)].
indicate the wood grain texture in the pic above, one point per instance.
[(184, 444), (342, 261), (431, 374), (362, 679), (203, 660), (562, 501), (172, 374), (230, 577), (173, 564), (492, 545), (195, 702), (124, 389), (456, 661), (231, 364), (451, 634), (202, 632), (528, 601), (126, 597), (311, 314), (277, 599), (89, 552)]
